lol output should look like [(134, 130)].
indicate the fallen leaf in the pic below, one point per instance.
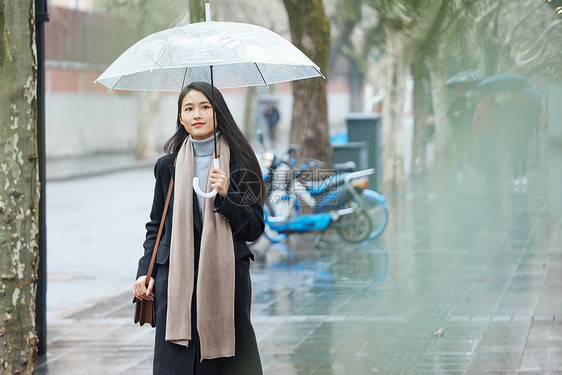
[(438, 333)]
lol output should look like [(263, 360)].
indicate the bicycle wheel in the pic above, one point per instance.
[(379, 218), (355, 227), (270, 234), (377, 210)]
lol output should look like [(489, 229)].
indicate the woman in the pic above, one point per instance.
[(521, 117), (201, 282)]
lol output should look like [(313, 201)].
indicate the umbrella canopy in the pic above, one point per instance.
[(534, 92), (504, 82), (241, 55), (470, 78)]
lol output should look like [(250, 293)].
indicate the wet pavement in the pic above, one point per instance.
[(466, 279)]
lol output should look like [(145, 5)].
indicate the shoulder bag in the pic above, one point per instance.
[(145, 311)]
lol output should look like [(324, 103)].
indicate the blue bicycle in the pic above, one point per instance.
[(341, 200)]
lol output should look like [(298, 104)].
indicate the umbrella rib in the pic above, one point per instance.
[(164, 70), (261, 75), (169, 42), (319, 72), (184, 75), (116, 82)]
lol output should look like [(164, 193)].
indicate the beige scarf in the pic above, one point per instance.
[(215, 282)]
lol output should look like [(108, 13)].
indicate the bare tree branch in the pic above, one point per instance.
[(487, 15), (520, 57), (518, 24)]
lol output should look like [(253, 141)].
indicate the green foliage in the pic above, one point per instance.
[(397, 14), (196, 11), (146, 16)]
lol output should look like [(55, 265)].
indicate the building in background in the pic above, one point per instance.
[(84, 5), (82, 118)]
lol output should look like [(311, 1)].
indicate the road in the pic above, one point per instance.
[(466, 279), (95, 231)]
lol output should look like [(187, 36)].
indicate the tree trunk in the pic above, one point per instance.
[(421, 113), (396, 71), (149, 102), (310, 31), (438, 74), (347, 14), (490, 50), (249, 112), (356, 78), (19, 194), (196, 11)]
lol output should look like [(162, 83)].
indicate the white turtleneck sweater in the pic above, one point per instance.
[(203, 150)]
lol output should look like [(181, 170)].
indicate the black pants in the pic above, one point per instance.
[(519, 151), (173, 359), (489, 155), (462, 142)]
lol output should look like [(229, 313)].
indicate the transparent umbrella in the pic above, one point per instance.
[(225, 54), (241, 55)]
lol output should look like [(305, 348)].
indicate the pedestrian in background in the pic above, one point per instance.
[(521, 116), (486, 135), (201, 287), (460, 114), (272, 116)]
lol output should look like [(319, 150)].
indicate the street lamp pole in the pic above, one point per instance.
[(41, 16)]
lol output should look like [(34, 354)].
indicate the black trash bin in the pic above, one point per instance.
[(351, 151), (366, 127)]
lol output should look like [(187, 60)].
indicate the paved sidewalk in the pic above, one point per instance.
[(93, 165), (466, 279)]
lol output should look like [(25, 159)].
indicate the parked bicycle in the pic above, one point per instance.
[(312, 199)]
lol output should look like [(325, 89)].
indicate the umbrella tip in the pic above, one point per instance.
[(207, 12)]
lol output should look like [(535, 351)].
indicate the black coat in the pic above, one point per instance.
[(246, 221)]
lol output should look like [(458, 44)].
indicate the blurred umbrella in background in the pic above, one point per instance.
[(534, 92), (504, 82), (469, 78)]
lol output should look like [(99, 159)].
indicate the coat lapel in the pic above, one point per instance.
[(172, 168), (197, 214)]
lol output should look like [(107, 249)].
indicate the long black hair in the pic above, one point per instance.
[(244, 158)]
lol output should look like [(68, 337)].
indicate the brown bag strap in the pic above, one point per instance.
[(155, 250)]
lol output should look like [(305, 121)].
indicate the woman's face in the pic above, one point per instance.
[(196, 115)]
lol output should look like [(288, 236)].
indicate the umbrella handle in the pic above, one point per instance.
[(198, 190)]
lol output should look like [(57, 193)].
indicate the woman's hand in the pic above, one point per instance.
[(219, 181), (141, 291)]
